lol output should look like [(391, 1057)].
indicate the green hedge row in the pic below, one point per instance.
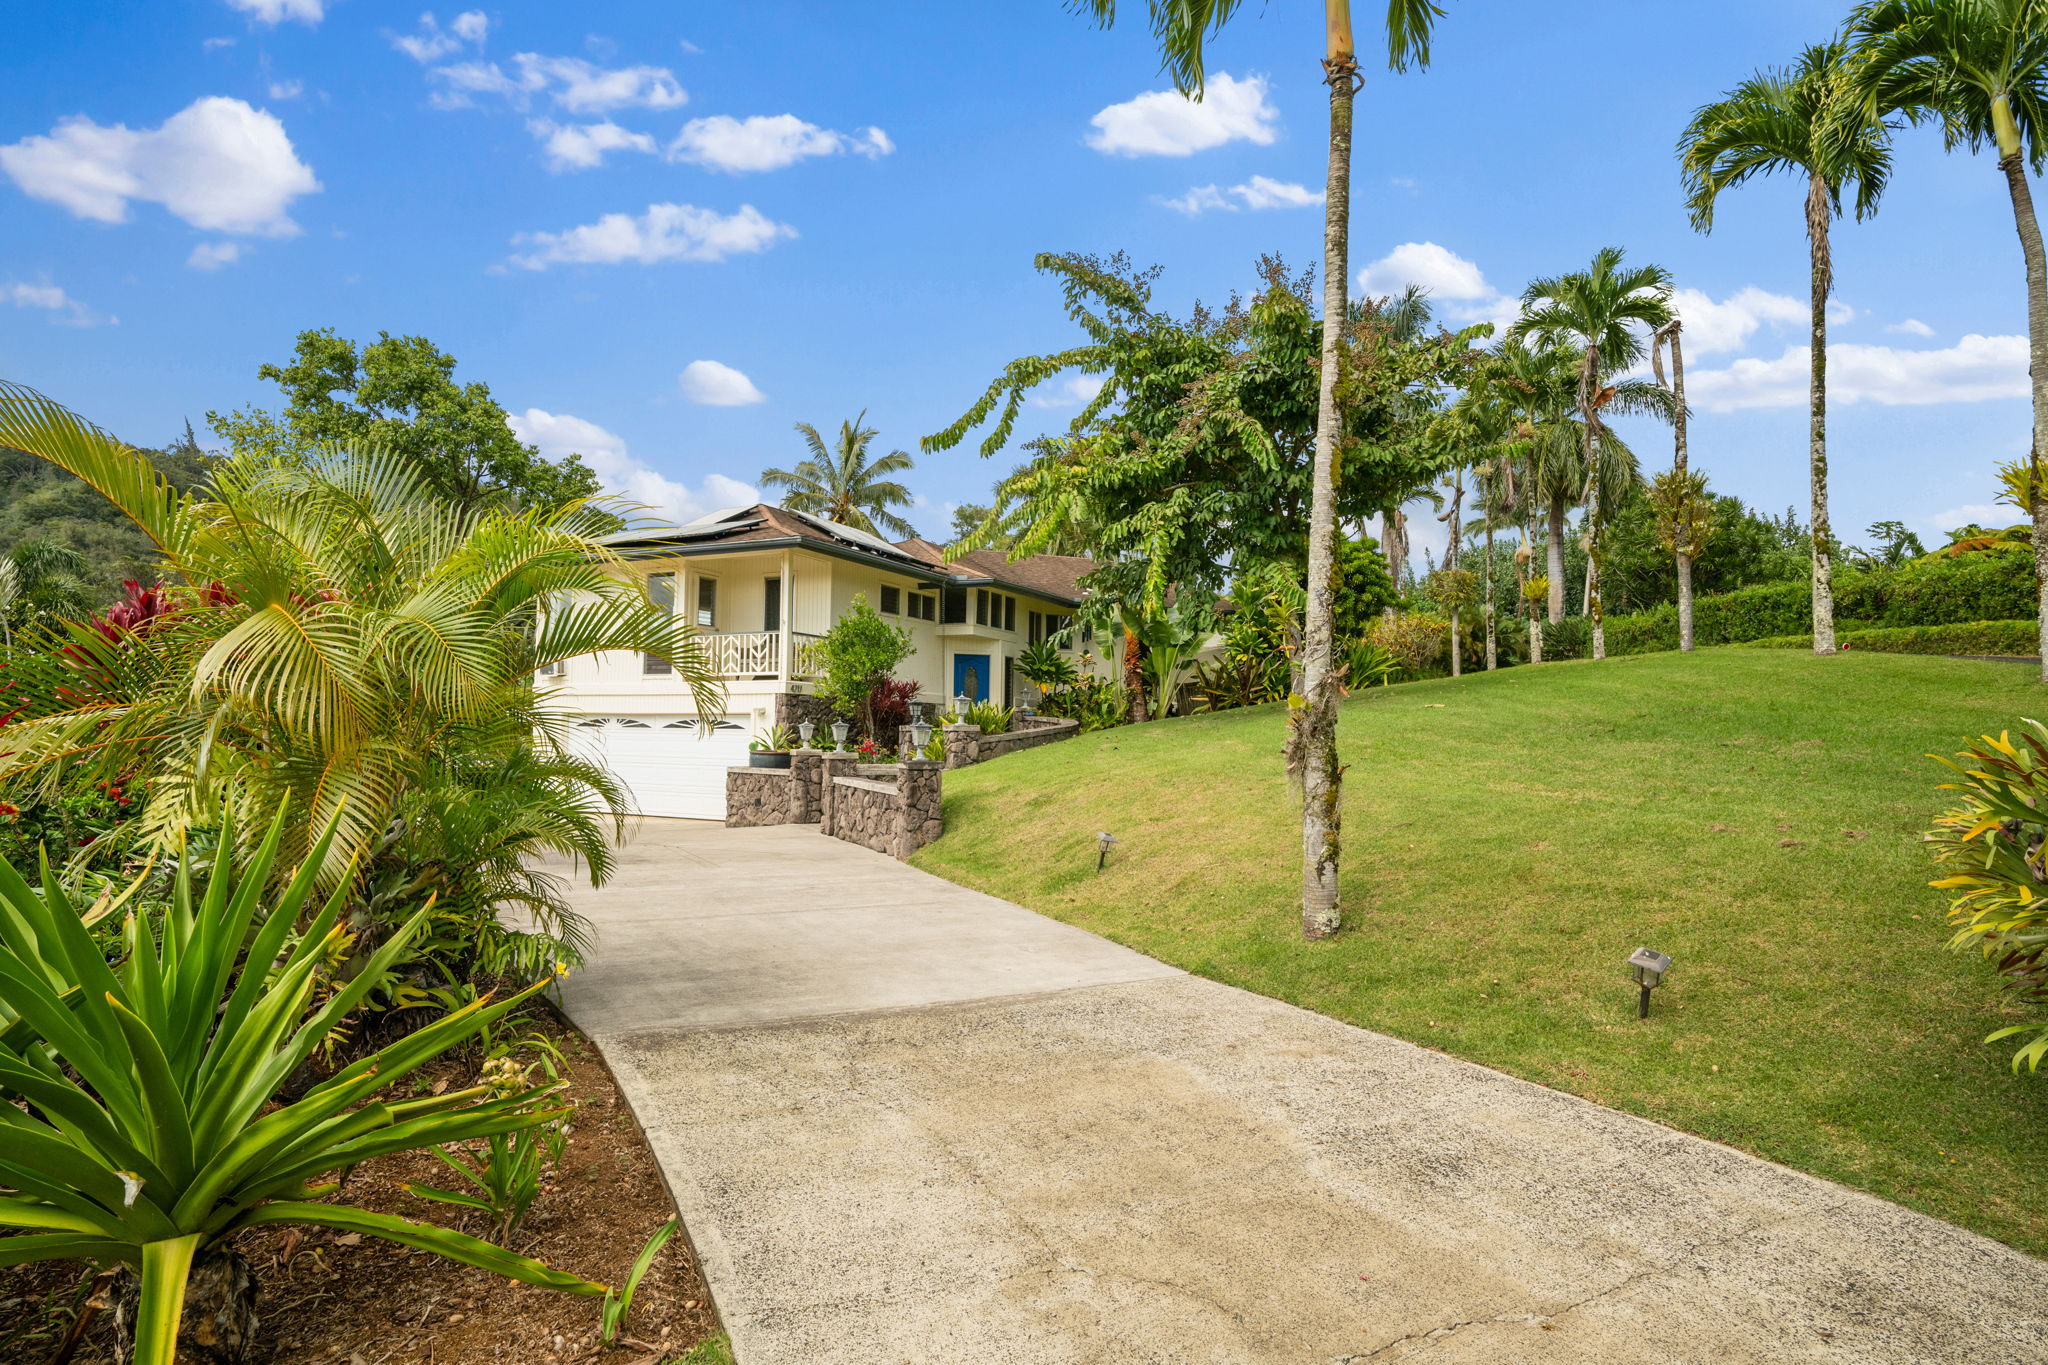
[(1969, 637), (1997, 586)]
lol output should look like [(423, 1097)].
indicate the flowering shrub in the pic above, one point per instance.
[(1415, 641)]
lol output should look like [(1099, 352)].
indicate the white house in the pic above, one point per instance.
[(762, 584)]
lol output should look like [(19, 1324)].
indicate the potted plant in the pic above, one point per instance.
[(770, 748)]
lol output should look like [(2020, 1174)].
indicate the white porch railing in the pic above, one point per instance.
[(758, 654)]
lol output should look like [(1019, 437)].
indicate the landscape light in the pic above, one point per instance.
[(806, 729), (960, 705), (1647, 966), (920, 735), (1102, 843), (839, 728)]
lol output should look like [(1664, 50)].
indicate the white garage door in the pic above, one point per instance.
[(669, 764)]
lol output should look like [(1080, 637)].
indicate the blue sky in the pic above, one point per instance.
[(665, 232)]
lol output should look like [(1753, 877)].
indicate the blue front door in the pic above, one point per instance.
[(970, 676)]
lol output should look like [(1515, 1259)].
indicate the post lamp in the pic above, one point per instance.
[(1647, 966), (805, 729), (920, 735), (960, 705), (839, 728), (1102, 843)]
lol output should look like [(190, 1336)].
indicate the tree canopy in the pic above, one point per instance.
[(400, 394)]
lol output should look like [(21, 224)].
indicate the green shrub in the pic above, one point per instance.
[(1415, 641), (2017, 638), (993, 719)]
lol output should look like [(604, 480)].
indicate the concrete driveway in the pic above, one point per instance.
[(905, 1122)]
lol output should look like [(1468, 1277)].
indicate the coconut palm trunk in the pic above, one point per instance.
[(1589, 411), (1491, 652), (2013, 163), (1818, 209), (1553, 526), (1673, 336), (1322, 797)]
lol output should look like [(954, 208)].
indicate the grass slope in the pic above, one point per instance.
[(1511, 838)]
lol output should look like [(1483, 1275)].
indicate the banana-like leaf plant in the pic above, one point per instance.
[(134, 1129)]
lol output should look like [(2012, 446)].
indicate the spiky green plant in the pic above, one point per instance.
[(135, 1129)]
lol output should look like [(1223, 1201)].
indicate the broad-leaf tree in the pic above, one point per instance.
[(1182, 28), (1979, 68), (1606, 312), (400, 394), (1802, 122), (843, 483)]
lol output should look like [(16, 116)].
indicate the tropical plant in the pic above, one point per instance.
[(1454, 591), (842, 483), (141, 1131), (888, 708), (1366, 663), (1413, 640), (504, 1174), (993, 719), (1993, 841), (1597, 310), (337, 639), (856, 656), (776, 739), (1978, 68), (1803, 121), (41, 578), (1047, 668), (618, 1302)]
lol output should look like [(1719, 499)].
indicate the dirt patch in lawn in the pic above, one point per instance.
[(353, 1300)]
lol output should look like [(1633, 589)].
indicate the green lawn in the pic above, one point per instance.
[(1510, 838)]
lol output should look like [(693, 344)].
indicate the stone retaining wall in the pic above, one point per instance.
[(891, 808), (866, 812), (756, 796), (967, 745)]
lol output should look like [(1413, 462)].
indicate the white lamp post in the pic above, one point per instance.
[(839, 728)]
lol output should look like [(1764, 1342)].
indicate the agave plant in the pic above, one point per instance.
[(135, 1133), (333, 635)]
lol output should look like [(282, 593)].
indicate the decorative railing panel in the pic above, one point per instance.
[(758, 654)]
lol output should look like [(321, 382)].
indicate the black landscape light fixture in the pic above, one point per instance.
[(1648, 966), (805, 729), (1102, 843), (920, 735), (839, 728)]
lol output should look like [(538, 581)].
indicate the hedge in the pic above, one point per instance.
[(1993, 586), (2009, 638)]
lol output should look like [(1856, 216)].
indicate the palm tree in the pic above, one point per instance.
[(1801, 121), (1599, 310), (41, 579), (841, 484), (337, 639), (1683, 542), (1182, 28), (1979, 68)]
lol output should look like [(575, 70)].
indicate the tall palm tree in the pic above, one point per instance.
[(1802, 121), (1605, 311), (1980, 69), (1183, 28), (1684, 543), (842, 484)]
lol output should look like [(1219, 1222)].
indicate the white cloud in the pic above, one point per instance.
[(63, 309), (580, 146), (214, 255), (287, 90), (216, 44), (1166, 123), (1973, 370), (1728, 325), (718, 386), (217, 164), (1912, 327), (1974, 514), (1073, 392), (573, 84), (277, 11), (433, 42), (558, 434), (1443, 272), (666, 232), (768, 142), (1260, 192)]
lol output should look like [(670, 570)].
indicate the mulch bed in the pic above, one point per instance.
[(326, 1297)]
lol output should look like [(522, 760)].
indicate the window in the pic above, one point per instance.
[(555, 669), (953, 607), (995, 610), (1055, 624), (1009, 613), (771, 604), (661, 591), (1037, 628), (981, 606), (707, 604), (922, 606), (892, 601)]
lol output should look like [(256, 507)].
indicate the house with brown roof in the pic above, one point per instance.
[(762, 584)]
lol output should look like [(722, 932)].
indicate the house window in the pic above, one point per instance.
[(1037, 628), (892, 601), (953, 607), (981, 606), (1055, 624), (707, 604), (1009, 613), (922, 606), (661, 591), (553, 669), (771, 604)]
